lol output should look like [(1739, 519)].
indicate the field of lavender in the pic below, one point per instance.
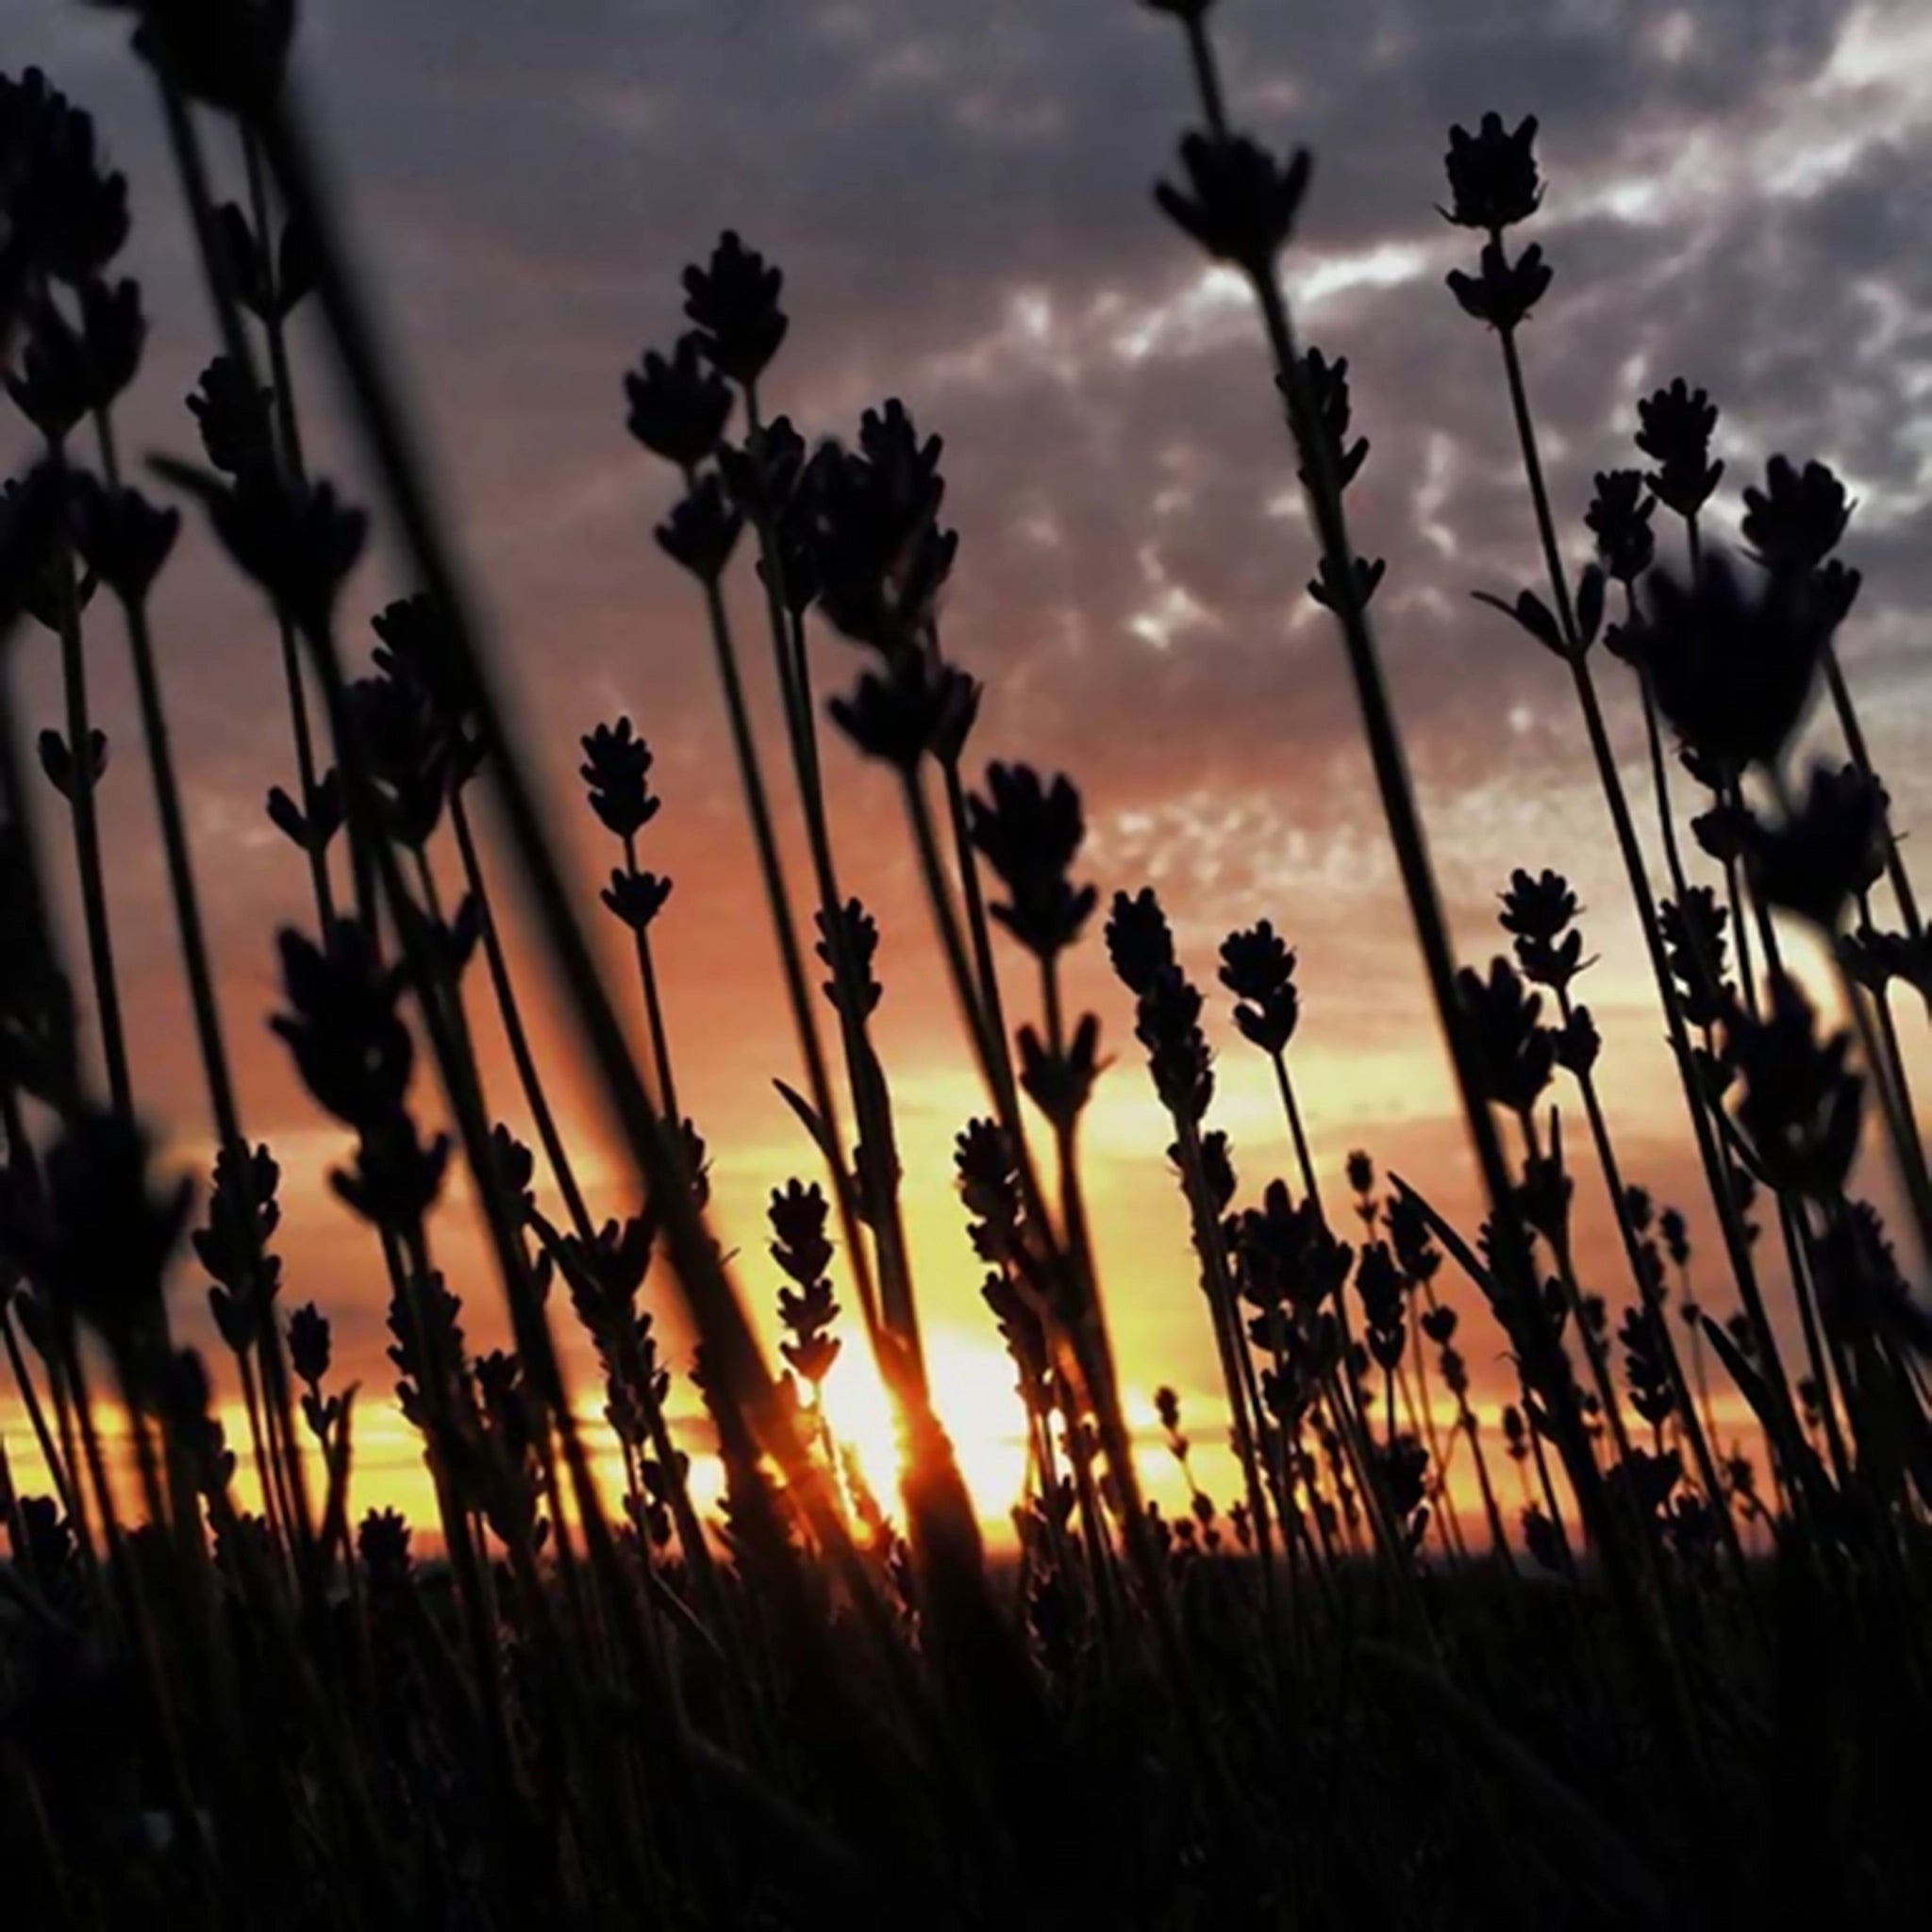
[(1661, 1671)]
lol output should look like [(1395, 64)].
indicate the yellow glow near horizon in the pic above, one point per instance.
[(977, 1401), (972, 1392)]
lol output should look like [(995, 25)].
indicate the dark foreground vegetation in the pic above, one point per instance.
[(1667, 1675)]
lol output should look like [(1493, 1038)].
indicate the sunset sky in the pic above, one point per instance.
[(959, 197)]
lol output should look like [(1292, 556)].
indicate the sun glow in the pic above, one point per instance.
[(975, 1398)]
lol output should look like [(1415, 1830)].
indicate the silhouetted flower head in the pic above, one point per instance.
[(961, 693), (351, 1046), (1676, 425), (1410, 1233), (702, 530), (1538, 908), (382, 1542), (299, 541), (1540, 912), (1494, 182), (233, 414), (1257, 966), (1724, 830), (1029, 832), (1619, 517), (897, 715), (1795, 522), (879, 554), (902, 464), (1829, 851), (1515, 1053), (395, 1175), (513, 1169), (1676, 1235), (1836, 587), (605, 1274), (417, 643), (124, 538), (1800, 1105), (765, 471), (1875, 958), (1339, 590), (798, 1212), (1059, 1083), (52, 387), (101, 1242), (806, 1310), (988, 1174), (1139, 942), (1577, 1043), (271, 285), (733, 302), (1732, 670), (795, 533), (1860, 1286), (406, 753), (678, 407), (309, 1343), (242, 1216), (1328, 387), (232, 54), (32, 574), (1287, 1254), (311, 830), (1542, 1198), (1240, 203), (1217, 1167), (1361, 1172), (1643, 1482), (67, 212), (113, 332), (636, 898), (617, 769), (1638, 1209), (1378, 1282), (64, 772), (1168, 1024), (1502, 292), (861, 935)]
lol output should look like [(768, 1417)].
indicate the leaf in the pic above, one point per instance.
[(237, 241), (326, 806), (1533, 614), (335, 1514), (1459, 1249), (286, 815), (54, 763), (813, 1124), (1754, 1389), (296, 271), (1590, 603), (1598, 1853)]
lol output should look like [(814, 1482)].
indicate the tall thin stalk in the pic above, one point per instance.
[(86, 820), (1631, 853), (1405, 824)]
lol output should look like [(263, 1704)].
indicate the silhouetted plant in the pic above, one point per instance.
[(565, 1711)]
